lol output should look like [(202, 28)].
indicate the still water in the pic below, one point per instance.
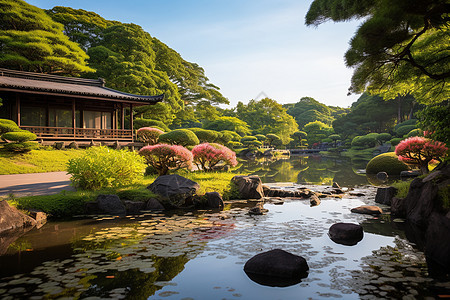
[(201, 254)]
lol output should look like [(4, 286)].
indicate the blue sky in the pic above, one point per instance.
[(246, 47)]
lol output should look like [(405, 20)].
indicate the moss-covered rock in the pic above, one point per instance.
[(386, 162)]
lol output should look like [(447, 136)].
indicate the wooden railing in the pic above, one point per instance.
[(44, 132)]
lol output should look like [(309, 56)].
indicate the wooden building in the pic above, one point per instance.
[(58, 108)]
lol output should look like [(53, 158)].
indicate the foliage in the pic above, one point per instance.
[(395, 141), (101, 167), (31, 41), (384, 137), (136, 194), (267, 116), (19, 136), (21, 147), (273, 140), (206, 156), (165, 158), (309, 110), (205, 135), (436, 120), (317, 131), (420, 151), (400, 47), (404, 123), (386, 162), (227, 136), (139, 123), (261, 137), (402, 188), (182, 137), (299, 137), (8, 126), (403, 130), (364, 141), (149, 135), (228, 123), (415, 132)]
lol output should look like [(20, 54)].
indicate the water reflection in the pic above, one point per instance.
[(312, 169)]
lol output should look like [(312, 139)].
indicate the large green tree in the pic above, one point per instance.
[(267, 116), (309, 110), (401, 47), (31, 41)]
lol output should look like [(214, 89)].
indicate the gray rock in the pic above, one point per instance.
[(111, 205), (314, 200), (214, 200), (12, 219), (383, 176), (276, 268), (258, 210), (174, 190), (409, 174), (154, 204), (134, 207), (39, 216), (437, 246), (348, 234), (385, 195), (250, 187), (398, 207)]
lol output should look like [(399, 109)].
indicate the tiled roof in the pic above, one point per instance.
[(19, 80)]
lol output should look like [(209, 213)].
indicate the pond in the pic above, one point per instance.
[(201, 254)]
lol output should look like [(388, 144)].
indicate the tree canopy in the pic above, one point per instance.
[(31, 41), (401, 46)]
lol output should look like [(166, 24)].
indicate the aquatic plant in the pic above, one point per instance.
[(420, 151), (207, 155), (165, 157)]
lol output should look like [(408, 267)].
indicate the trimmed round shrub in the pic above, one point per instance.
[(73, 145), (407, 122), (364, 142), (181, 137), (206, 156), (8, 126), (384, 137), (386, 162), (261, 137), (415, 132), (395, 141), (164, 158), (234, 144), (139, 122), (149, 135), (19, 136), (21, 147), (228, 136), (248, 138), (101, 167), (401, 131), (206, 135)]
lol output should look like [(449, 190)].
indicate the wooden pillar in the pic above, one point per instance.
[(74, 121), (131, 122), (122, 113), (18, 109)]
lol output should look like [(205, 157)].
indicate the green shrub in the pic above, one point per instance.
[(395, 141), (228, 136), (138, 123), (384, 137), (8, 126), (415, 132), (19, 136), (401, 131), (21, 147), (182, 137), (141, 195), (206, 135), (402, 188), (386, 162), (101, 167), (364, 141), (407, 122)]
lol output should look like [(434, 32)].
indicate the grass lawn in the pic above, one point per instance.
[(36, 161)]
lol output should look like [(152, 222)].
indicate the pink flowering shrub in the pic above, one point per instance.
[(420, 151), (165, 157), (149, 135), (208, 155)]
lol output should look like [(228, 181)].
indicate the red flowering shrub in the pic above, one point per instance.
[(165, 157), (149, 135), (207, 155), (420, 151)]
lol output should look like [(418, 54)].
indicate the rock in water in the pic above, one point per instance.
[(11, 218), (348, 234), (367, 209), (214, 200), (174, 190), (250, 187), (154, 204), (314, 200), (385, 195), (276, 268)]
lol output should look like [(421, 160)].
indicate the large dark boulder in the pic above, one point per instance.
[(437, 244), (134, 207), (276, 268), (110, 204), (214, 200), (348, 234), (174, 190), (11, 219), (250, 187), (385, 195), (154, 204)]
